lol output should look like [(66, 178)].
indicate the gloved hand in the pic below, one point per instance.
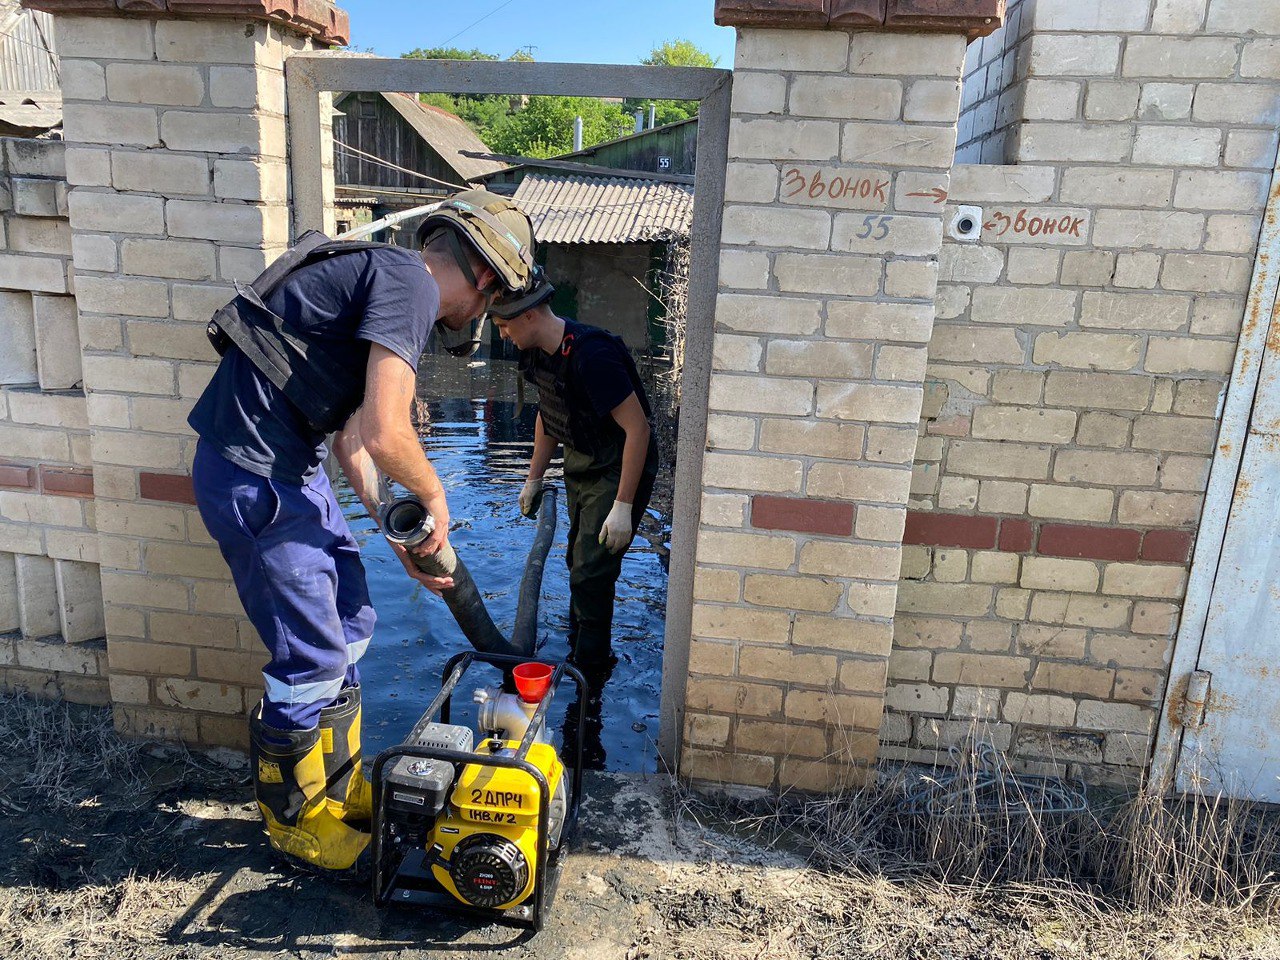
[(616, 532), (529, 495)]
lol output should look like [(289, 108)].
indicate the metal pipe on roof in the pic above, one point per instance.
[(639, 121), (653, 115), (577, 134)]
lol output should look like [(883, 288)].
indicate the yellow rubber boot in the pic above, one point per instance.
[(289, 781), (350, 795)]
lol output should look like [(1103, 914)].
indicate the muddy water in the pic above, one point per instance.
[(480, 446)]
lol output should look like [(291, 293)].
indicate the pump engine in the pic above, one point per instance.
[(479, 827)]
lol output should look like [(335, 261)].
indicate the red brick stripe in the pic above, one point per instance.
[(801, 515), (170, 487), (16, 476), (1013, 535), (66, 482), (1167, 546), (1091, 543), (951, 530), (1016, 536)]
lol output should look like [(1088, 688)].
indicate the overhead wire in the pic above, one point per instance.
[(475, 22)]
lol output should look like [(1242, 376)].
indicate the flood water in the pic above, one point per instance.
[(480, 441)]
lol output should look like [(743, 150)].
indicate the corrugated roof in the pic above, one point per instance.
[(447, 133), (28, 49), (604, 209), (27, 113)]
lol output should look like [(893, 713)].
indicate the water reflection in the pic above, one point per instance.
[(481, 448)]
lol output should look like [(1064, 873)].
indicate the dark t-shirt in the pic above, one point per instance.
[(383, 296), (597, 376)]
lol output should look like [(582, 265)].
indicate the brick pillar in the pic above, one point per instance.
[(175, 152), (840, 148)]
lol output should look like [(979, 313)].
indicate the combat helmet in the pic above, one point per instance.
[(496, 229)]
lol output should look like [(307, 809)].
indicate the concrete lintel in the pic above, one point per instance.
[(312, 18), (977, 18)]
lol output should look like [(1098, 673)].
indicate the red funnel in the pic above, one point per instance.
[(533, 680)]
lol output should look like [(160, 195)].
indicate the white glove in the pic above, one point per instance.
[(529, 495), (616, 532)]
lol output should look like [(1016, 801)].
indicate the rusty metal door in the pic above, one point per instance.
[(1232, 743)]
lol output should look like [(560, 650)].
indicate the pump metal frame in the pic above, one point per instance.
[(307, 75), (420, 887)]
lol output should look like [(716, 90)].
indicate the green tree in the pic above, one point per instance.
[(544, 127), (672, 53), (485, 114)]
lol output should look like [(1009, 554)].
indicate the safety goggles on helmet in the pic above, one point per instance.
[(491, 225), (514, 304)]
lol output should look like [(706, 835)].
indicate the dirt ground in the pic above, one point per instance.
[(120, 850)]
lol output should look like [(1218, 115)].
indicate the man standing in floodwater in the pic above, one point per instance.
[(328, 339), (591, 400)]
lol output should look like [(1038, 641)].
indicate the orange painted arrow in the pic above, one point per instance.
[(937, 193)]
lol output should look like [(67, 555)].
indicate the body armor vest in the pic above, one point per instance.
[(567, 414), (317, 377)]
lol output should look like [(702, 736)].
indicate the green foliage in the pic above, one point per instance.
[(447, 53), (679, 53), (672, 53), (544, 127)]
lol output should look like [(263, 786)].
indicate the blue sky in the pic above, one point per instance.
[(581, 31)]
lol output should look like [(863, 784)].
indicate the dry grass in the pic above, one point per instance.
[(61, 753), (1138, 877)]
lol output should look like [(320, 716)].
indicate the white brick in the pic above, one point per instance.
[(1255, 104), (155, 83), (845, 97), (914, 145), (1243, 16), (83, 80), (1117, 186), (115, 213), (233, 222), (1197, 57), (9, 616), (174, 259), (96, 123), (1050, 308), (220, 133), (39, 274), (819, 273), (759, 92), (214, 41), (1083, 142), (751, 182), (776, 315), (1064, 55), (80, 612), (162, 173), (874, 234), (57, 342), (37, 596), (1178, 16), (785, 50), (18, 333), (92, 251), (248, 180), (1165, 101), (975, 183), (1091, 16), (1177, 146), (784, 139), (1146, 229), (1221, 190), (776, 227), (103, 37), (122, 296), (761, 395), (246, 87), (888, 54), (88, 167)]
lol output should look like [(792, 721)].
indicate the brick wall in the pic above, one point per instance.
[(1074, 384), (51, 619), (176, 141), (828, 271), (995, 85)]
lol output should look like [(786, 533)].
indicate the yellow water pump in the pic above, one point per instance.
[(480, 828)]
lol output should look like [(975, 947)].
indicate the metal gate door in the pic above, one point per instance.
[(1234, 744)]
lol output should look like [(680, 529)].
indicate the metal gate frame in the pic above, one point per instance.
[(1223, 475), (307, 75)]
